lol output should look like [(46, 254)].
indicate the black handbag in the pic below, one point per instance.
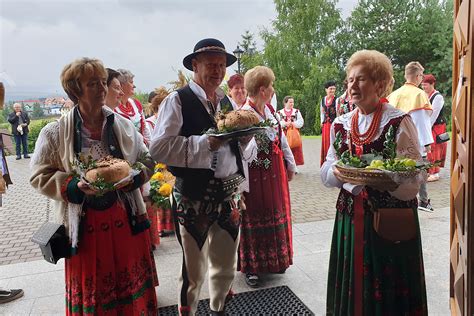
[(442, 138), (52, 239)]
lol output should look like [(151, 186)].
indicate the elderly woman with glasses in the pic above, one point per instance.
[(111, 269), (372, 270)]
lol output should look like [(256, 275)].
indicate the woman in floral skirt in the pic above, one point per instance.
[(265, 237), (111, 269)]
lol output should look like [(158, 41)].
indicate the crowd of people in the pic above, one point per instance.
[(230, 203)]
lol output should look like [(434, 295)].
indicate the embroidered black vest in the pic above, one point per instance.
[(329, 111), (196, 120), (440, 119), (192, 182)]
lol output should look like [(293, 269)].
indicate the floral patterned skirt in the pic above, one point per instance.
[(113, 271), (265, 234), (393, 277)]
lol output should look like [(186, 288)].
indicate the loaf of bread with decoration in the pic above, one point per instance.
[(235, 120), (109, 169)]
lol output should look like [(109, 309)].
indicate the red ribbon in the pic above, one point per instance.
[(359, 252)]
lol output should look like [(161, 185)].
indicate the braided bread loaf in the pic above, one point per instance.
[(110, 169), (235, 120)]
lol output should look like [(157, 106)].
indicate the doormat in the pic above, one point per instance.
[(278, 300)]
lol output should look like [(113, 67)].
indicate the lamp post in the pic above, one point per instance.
[(238, 53)]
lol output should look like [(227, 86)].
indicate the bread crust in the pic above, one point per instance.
[(110, 169), (235, 120)]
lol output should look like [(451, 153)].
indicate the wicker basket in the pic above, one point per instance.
[(371, 177)]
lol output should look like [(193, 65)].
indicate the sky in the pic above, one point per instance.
[(150, 38)]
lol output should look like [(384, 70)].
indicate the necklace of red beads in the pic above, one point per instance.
[(288, 113), (362, 139), (127, 109)]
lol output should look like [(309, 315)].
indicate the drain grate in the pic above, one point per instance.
[(278, 300)]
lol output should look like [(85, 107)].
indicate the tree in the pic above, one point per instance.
[(405, 30), (8, 109), (300, 51), (37, 111), (399, 29), (250, 57)]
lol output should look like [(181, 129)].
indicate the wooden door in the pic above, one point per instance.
[(462, 165)]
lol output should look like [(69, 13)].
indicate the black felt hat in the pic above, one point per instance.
[(208, 45)]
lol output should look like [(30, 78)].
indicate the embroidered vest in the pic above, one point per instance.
[(329, 111), (196, 121), (440, 119)]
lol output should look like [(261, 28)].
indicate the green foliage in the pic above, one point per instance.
[(300, 51), (3, 118), (7, 110), (251, 57), (309, 44), (404, 30), (141, 96), (37, 111), (35, 128)]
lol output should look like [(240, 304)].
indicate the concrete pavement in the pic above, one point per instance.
[(313, 211)]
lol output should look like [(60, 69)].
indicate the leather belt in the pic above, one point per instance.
[(213, 190)]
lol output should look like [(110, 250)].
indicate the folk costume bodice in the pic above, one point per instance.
[(290, 116), (272, 142), (405, 135), (328, 110)]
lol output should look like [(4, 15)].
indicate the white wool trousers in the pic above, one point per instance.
[(218, 255)]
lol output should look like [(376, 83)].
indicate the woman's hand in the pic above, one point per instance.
[(84, 187), (337, 174), (290, 175)]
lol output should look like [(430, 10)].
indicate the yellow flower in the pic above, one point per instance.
[(165, 189), (158, 176), (160, 166)]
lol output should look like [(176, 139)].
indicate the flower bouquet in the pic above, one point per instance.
[(161, 186)]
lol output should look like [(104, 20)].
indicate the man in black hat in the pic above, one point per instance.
[(209, 171)]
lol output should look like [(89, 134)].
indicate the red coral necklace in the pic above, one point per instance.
[(362, 139)]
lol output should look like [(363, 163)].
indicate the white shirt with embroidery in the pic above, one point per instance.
[(169, 147), (299, 121)]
